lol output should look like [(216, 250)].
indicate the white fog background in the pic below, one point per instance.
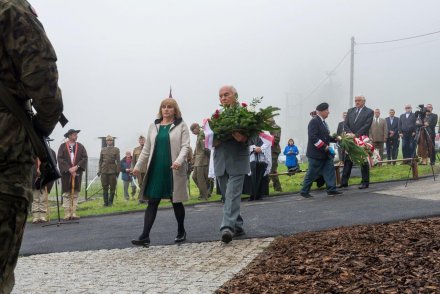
[(118, 58)]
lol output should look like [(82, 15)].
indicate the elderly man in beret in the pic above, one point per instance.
[(319, 153), (72, 161), (109, 168)]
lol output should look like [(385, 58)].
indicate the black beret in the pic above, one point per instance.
[(321, 107)]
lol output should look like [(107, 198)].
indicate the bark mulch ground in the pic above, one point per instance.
[(400, 257)]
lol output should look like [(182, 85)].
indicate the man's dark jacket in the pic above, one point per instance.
[(319, 139), (361, 125), (407, 126)]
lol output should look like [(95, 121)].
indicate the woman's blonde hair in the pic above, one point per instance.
[(173, 103)]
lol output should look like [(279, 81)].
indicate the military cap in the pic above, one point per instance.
[(109, 138), (321, 107), (70, 132)]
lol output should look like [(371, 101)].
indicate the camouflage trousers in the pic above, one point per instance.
[(13, 214), (70, 201), (39, 204)]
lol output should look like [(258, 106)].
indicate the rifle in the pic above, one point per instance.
[(48, 168)]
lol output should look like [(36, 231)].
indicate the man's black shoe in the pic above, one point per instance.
[(342, 186), (334, 193), (180, 238), (239, 232), (226, 236), (141, 242), (363, 186), (306, 195)]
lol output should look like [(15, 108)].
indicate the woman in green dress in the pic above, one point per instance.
[(165, 157)]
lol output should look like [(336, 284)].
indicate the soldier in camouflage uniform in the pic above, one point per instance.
[(136, 153), (109, 167), (27, 70), (276, 150)]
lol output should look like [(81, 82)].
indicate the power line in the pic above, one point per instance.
[(328, 76), (377, 50), (396, 40)]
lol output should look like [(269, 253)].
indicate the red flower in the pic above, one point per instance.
[(243, 104), (216, 114)]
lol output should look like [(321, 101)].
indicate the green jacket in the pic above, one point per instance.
[(110, 160), (28, 71)]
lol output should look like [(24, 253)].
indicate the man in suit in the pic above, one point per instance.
[(339, 131), (431, 120), (378, 132), (357, 123), (407, 131), (393, 136), (231, 164), (319, 153)]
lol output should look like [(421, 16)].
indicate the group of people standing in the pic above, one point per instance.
[(416, 130)]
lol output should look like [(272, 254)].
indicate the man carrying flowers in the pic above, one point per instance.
[(357, 124), (319, 153), (231, 164)]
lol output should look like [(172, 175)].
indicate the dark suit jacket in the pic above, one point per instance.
[(407, 125), (432, 120), (361, 125), (340, 128), (231, 157), (319, 138), (393, 127)]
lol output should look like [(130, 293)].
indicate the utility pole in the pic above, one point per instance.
[(351, 73)]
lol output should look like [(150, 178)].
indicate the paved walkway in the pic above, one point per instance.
[(96, 256), (187, 268)]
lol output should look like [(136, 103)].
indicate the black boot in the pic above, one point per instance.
[(110, 200), (105, 196)]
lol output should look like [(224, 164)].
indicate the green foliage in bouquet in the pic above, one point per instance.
[(356, 153), (242, 118)]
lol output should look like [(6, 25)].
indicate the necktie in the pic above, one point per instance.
[(325, 124), (358, 110)]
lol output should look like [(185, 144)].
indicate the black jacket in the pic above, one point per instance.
[(319, 138), (393, 127), (407, 126), (361, 125)]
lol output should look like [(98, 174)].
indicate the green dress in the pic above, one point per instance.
[(160, 177)]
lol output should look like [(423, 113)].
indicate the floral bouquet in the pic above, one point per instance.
[(242, 118), (358, 150)]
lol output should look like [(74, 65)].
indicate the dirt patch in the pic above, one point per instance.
[(400, 257)]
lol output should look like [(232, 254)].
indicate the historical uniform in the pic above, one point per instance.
[(71, 154), (136, 153), (201, 166), (27, 71), (276, 150), (109, 167)]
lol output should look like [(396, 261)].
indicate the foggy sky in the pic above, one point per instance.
[(118, 58)]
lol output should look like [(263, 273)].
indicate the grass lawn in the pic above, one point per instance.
[(290, 184)]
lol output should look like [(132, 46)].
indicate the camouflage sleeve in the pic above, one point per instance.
[(34, 59)]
